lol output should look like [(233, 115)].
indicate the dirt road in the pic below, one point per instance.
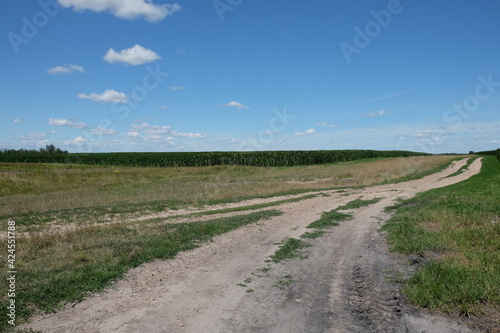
[(226, 285)]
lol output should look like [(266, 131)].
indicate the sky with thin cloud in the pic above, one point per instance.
[(139, 75)]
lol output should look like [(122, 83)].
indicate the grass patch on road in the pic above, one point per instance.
[(313, 234), (330, 219), (58, 268), (463, 168), (358, 203), (291, 248), (284, 282), (333, 217), (459, 227)]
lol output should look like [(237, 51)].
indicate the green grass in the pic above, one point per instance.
[(333, 217), (313, 234), (291, 248), (330, 219), (459, 227), (358, 203), (264, 269), (54, 269), (284, 282)]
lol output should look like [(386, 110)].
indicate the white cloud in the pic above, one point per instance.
[(376, 113), (66, 69), (109, 95), (424, 133), (78, 141), (270, 132), (310, 131), (125, 9), (133, 134), (324, 123), (155, 132), (102, 131), (162, 107), (35, 139), (176, 88), (34, 136), (17, 120), (236, 105), (189, 135), (136, 55), (59, 122)]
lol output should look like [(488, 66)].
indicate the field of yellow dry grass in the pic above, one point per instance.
[(36, 188)]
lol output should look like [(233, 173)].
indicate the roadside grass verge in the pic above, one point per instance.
[(57, 269), (458, 229)]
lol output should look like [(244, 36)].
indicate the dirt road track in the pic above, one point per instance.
[(341, 286)]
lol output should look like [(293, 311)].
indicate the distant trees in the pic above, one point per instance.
[(49, 149)]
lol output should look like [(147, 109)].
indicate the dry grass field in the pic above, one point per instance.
[(38, 188)]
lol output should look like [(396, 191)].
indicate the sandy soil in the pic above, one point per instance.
[(341, 287)]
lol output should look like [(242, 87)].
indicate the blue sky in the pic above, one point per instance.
[(138, 75)]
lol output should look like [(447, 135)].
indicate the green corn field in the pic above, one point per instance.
[(189, 159)]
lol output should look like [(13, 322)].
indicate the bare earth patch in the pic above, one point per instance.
[(342, 285)]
